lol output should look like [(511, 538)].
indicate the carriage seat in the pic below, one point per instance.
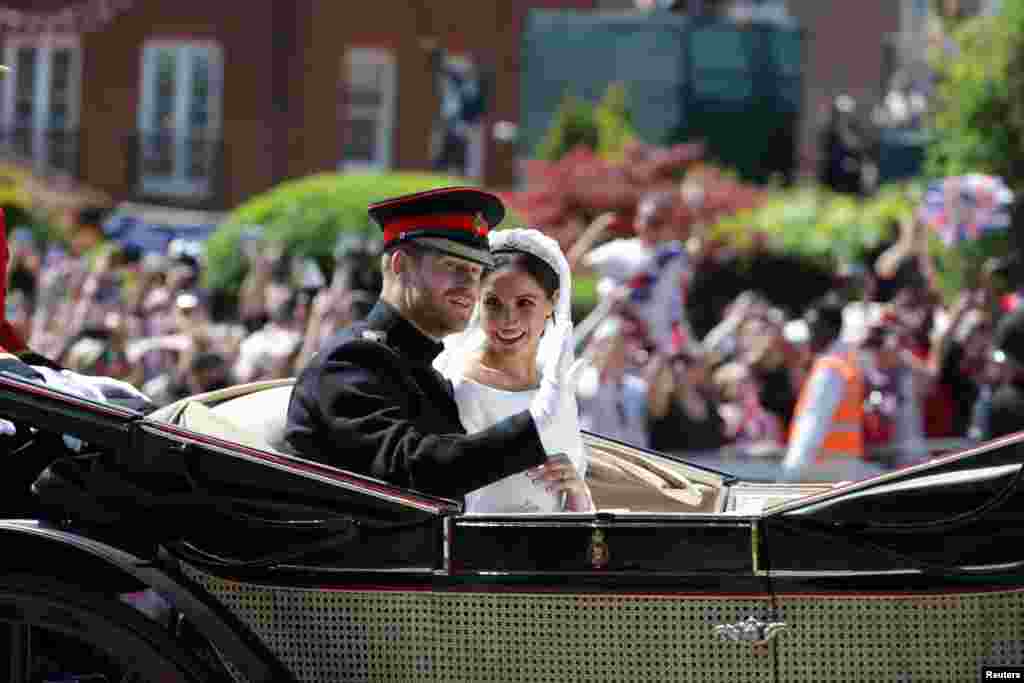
[(256, 420), (619, 478)]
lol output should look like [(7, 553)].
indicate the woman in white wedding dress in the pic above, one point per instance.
[(497, 364)]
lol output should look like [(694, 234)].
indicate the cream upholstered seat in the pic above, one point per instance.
[(261, 415), (255, 419), (200, 418)]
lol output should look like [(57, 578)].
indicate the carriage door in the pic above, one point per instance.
[(623, 596)]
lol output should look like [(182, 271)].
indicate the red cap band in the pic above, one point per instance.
[(450, 221)]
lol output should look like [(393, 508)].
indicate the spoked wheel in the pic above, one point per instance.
[(54, 632)]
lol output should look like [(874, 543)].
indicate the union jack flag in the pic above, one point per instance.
[(961, 208)]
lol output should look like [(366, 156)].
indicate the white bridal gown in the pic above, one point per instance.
[(480, 407)]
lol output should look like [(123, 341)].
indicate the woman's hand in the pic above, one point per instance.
[(559, 475)]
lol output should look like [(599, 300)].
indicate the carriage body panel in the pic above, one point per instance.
[(683, 573)]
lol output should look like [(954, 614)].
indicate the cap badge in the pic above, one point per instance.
[(480, 225), (377, 336)]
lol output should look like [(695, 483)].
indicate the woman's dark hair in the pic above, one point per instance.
[(534, 266)]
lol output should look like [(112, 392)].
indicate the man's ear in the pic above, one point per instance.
[(396, 261)]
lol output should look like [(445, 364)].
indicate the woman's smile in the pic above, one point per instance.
[(510, 337)]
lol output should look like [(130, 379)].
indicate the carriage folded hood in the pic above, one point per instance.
[(957, 515), (173, 485)]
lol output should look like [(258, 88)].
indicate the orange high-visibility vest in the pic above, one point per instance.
[(845, 435)]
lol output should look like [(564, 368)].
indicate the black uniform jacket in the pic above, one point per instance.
[(371, 402)]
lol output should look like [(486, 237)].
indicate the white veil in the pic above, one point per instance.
[(458, 347)]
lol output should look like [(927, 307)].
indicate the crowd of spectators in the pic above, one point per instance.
[(652, 382), (929, 369), (146, 317)]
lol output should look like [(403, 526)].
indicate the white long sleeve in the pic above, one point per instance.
[(825, 390)]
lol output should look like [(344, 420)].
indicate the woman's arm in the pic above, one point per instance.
[(941, 345), (825, 391), (590, 236)]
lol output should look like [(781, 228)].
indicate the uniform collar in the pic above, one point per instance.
[(402, 335)]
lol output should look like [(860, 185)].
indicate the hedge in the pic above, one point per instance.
[(307, 216)]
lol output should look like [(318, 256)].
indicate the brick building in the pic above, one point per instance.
[(201, 104)]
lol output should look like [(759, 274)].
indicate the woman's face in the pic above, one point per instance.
[(513, 311)]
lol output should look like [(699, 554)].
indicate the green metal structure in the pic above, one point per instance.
[(739, 88)]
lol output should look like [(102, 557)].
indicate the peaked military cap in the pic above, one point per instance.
[(454, 220)]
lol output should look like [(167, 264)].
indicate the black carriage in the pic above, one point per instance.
[(185, 545)]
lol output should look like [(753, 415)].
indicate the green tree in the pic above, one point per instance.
[(614, 123), (979, 122), (822, 227), (605, 127), (573, 125), (979, 103)]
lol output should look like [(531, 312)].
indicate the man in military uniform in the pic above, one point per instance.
[(370, 400)]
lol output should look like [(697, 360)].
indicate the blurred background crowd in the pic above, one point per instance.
[(147, 318)]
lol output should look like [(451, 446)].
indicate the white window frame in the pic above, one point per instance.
[(42, 89), (386, 112), (178, 184)]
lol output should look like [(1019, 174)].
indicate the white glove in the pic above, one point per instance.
[(96, 387), (559, 376), (576, 370), (110, 387)]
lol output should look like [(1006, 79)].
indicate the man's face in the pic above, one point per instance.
[(440, 291)]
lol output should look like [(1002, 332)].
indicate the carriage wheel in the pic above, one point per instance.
[(56, 631)]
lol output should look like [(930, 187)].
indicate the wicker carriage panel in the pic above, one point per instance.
[(366, 635), (932, 638)]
